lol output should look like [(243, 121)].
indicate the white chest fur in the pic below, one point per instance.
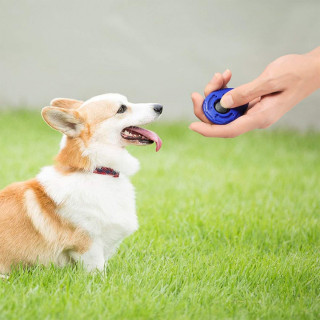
[(102, 205)]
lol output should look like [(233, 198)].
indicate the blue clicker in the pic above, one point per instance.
[(217, 114)]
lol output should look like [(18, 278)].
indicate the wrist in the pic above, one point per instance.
[(315, 56)]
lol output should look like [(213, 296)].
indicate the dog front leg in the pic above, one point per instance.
[(93, 259)]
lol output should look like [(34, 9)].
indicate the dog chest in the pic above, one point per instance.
[(100, 204)]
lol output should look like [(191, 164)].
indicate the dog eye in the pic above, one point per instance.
[(122, 109)]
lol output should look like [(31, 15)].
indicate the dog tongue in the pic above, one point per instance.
[(150, 135)]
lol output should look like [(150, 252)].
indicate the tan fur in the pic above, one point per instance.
[(66, 103), (70, 158), (98, 111), (21, 239)]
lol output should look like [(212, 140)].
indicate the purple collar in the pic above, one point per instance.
[(107, 171)]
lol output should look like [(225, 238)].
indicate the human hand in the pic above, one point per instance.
[(282, 85)]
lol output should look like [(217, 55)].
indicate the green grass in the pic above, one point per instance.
[(229, 229)]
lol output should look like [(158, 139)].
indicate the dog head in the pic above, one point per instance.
[(105, 120)]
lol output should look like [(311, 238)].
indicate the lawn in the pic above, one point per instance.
[(229, 229)]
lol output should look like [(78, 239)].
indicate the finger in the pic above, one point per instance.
[(197, 100), (246, 93), (254, 102), (215, 83), (231, 130), (226, 76)]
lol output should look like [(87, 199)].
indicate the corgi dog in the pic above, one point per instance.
[(82, 207)]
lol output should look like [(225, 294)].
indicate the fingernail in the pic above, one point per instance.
[(227, 101), (226, 72)]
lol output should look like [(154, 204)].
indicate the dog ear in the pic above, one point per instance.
[(66, 103), (66, 121)]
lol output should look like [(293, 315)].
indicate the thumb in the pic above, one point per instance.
[(245, 93)]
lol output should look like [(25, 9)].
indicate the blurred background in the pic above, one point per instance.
[(150, 51)]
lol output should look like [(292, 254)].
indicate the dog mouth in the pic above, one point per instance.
[(141, 136)]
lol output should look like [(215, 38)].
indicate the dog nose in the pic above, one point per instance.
[(158, 108)]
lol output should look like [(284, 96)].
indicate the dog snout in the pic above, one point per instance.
[(158, 108)]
